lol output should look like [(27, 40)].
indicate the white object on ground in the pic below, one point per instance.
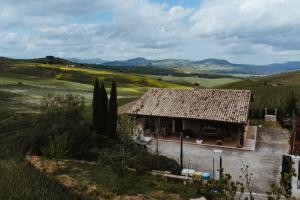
[(147, 139), (188, 172), (199, 141)]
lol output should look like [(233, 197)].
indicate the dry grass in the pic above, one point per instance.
[(97, 182)]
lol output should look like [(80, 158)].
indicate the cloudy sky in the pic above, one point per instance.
[(241, 31)]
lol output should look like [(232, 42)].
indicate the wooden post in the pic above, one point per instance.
[(213, 168), (266, 111), (293, 132), (157, 135), (181, 150), (173, 125), (221, 167)]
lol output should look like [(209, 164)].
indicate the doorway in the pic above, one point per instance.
[(178, 125)]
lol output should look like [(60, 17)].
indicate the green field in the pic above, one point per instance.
[(23, 84), (204, 82), (24, 90)]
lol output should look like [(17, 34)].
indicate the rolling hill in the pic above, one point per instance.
[(24, 82), (87, 61), (272, 92), (208, 66)]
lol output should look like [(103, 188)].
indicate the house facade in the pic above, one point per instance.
[(214, 115)]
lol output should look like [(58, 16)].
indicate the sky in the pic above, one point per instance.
[(241, 31)]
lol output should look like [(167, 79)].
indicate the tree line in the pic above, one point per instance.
[(105, 112)]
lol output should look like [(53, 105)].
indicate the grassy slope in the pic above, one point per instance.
[(271, 91), (204, 82), (74, 179), (96, 180), (18, 180), (25, 83)]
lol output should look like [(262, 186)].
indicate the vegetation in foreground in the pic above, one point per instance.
[(58, 132), (62, 132), (118, 167)]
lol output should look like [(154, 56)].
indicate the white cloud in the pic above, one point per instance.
[(252, 31), (273, 22)]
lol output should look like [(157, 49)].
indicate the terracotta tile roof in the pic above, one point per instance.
[(124, 108), (209, 104)]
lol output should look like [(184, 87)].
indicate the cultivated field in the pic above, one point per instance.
[(204, 82), (22, 84)]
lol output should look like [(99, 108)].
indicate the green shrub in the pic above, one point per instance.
[(122, 156), (63, 117), (58, 147), (143, 161), (168, 164)]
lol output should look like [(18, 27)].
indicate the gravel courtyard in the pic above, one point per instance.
[(264, 162)]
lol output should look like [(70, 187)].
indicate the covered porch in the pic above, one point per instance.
[(195, 131)]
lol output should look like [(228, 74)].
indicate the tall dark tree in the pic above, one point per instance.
[(104, 110), (113, 112), (97, 106)]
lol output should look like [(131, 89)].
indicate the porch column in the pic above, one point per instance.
[(217, 163), (173, 125), (183, 124), (157, 124)]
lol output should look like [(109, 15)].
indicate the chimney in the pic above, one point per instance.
[(196, 86)]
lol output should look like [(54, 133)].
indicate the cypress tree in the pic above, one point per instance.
[(104, 110), (96, 106), (113, 111)]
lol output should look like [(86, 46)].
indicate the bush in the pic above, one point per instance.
[(167, 164), (62, 119), (58, 147), (144, 161), (121, 156)]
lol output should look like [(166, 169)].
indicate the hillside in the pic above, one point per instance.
[(209, 66), (270, 92), (24, 82)]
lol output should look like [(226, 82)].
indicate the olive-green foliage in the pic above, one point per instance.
[(282, 190), (103, 110), (61, 125), (122, 156), (58, 147), (269, 95), (18, 180), (125, 127), (113, 112), (96, 106), (222, 189)]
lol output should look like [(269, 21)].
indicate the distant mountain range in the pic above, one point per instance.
[(214, 66), (88, 61), (175, 66)]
